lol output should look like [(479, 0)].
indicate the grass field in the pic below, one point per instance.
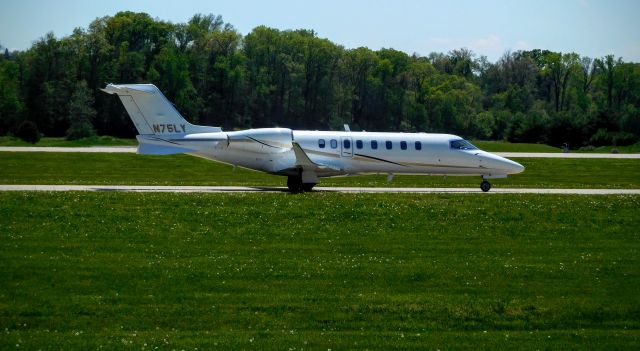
[(501, 146), (635, 148), (318, 271), (82, 168), (62, 142)]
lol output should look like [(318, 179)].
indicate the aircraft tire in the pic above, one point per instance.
[(308, 186), (294, 183), (485, 186)]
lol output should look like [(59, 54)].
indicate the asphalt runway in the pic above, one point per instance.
[(132, 149), (245, 189), (92, 149)]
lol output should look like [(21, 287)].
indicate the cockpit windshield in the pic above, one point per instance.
[(462, 144)]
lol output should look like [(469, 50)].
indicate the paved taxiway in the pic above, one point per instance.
[(96, 149), (132, 149), (242, 189)]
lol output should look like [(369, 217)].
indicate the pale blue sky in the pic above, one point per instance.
[(589, 27)]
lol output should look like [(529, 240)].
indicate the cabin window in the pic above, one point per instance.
[(321, 143), (359, 144), (389, 145), (403, 145), (418, 145), (461, 144), (346, 143), (374, 144), (334, 144)]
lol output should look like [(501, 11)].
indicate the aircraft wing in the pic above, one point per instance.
[(303, 161)]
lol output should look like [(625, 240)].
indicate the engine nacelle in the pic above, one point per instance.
[(263, 140)]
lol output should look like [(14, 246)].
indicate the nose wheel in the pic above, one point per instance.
[(485, 186)]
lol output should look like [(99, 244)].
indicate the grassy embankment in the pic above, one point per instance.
[(318, 271), (81, 168)]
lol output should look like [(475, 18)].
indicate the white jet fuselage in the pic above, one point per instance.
[(304, 156), (271, 150)]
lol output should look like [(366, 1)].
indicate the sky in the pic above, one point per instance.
[(592, 28)]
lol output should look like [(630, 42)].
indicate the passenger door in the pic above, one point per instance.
[(346, 145)]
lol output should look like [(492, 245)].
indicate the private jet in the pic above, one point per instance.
[(305, 156)]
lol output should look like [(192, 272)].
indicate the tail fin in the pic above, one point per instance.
[(151, 112)]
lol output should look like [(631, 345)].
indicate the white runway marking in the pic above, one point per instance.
[(238, 189), (132, 149)]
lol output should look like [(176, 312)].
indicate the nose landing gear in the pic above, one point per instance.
[(485, 186)]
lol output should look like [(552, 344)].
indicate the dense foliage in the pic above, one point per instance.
[(215, 76)]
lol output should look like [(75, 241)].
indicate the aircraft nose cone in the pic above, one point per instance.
[(502, 164), (515, 167)]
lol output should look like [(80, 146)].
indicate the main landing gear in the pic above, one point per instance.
[(295, 184), (485, 186)]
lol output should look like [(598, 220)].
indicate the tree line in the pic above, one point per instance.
[(293, 78)]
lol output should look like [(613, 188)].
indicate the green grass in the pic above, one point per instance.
[(318, 271), (82, 168), (62, 142), (501, 146), (635, 148)]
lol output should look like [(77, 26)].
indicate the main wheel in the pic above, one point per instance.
[(308, 186), (294, 183), (485, 186)]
